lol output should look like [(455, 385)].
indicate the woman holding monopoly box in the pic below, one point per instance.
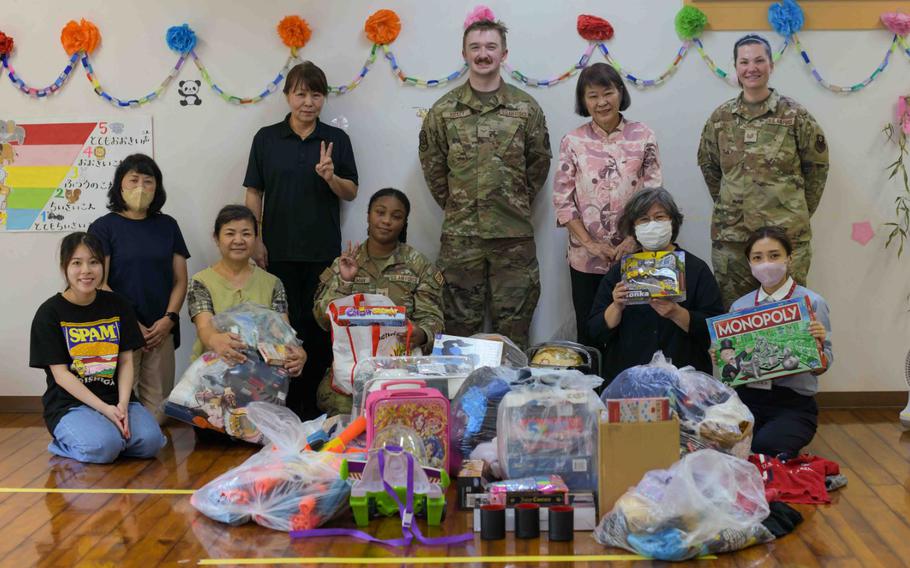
[(786, 415)]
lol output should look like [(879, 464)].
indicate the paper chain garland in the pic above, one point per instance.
[(80, 39)]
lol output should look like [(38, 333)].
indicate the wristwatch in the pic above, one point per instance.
[(173, 316)]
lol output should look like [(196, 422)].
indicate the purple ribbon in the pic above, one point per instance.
[(409, 529)]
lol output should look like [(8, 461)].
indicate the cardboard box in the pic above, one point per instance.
[(473, 479), (628, 450)]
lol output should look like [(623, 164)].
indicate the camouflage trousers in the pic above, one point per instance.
[(734, 275), (329, 400), (501, 274)]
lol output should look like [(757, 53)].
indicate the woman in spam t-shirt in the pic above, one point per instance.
[(84, 340)]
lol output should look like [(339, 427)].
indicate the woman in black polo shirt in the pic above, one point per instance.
[(298, 170)]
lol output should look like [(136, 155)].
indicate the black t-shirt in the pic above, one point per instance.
[(642, 331), (142, 261), (301, 219), (88, 339)]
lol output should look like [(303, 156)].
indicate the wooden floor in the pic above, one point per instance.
[(866, 525)]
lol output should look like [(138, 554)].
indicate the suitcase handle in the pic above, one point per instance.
[(417, 382)]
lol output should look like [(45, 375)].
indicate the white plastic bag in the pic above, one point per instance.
[(708, 502), (281, 487), (351, 344)]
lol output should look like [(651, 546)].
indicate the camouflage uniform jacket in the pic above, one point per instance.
[(763, 166), (407, 277), (484, 164)]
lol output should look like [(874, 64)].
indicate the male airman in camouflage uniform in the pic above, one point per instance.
[(485, 154), (765, 163), (406, 277)]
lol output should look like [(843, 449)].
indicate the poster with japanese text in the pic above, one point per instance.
[(55, 174)]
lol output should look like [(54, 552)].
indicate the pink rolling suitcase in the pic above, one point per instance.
[(424, 409)]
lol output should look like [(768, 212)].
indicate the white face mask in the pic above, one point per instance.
[(654, 235)]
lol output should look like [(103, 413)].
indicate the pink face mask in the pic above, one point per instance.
[(769, 273)]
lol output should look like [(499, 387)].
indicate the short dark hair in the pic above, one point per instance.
[(600, 75), (231, 213), (308, 75), (769, 232), (400, 196), (484, 25), (141, 164), (752, 39), (71, 242), (639, 204)]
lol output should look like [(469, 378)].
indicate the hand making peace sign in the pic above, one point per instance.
[(325, 168)]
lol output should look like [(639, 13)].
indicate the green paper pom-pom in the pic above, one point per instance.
[(690, 21)]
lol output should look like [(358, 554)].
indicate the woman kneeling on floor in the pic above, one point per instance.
[(786, 415), (84, 340)]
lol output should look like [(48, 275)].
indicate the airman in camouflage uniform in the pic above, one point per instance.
[(764, 164), (484, 160), (407, 277)]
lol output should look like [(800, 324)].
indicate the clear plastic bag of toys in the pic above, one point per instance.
[(710, 413), (256, 324), (474, 408), (549, 426), (706, 503), (280, 487), (214, 395)]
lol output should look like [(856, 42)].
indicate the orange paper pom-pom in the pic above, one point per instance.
[(82, 36), (294, 31), (383, 27)]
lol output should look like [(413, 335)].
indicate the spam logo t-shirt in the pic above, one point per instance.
[(89, 341), (94, 347)]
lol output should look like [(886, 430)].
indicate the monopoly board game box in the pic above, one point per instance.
[(655, 275), (765, 342)]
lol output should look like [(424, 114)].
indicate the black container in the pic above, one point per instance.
[(527, 520), (492, 522), (561, 523)]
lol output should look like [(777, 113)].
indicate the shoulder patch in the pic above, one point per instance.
[(424, 144), (820, 145), (457, 113), (513, 113), (438, 277)]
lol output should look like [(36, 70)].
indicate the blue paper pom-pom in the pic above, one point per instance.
[(786, 17), (181, 39)]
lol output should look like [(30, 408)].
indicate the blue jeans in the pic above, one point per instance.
[(86, 435)]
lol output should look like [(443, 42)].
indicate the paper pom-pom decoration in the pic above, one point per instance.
[(6, 44), (181, 39), (82, 36), (897, 23), (294, 31), (786, 17), (479, 14), (593, 28), (690, 22), (383, 27)]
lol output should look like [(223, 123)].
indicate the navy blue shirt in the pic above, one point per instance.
[(301, 220), (642, 331), (142, 261)]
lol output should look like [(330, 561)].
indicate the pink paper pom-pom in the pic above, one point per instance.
[(479, 14), (897, 22)]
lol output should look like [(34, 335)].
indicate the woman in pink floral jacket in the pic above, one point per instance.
[(601, 164)]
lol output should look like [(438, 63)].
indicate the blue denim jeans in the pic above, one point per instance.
[(86, 435)]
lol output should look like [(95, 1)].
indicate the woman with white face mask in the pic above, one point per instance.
[(786, 415), (145, 262), (630, 334)]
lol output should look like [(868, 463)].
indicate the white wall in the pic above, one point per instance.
[(203, 150)]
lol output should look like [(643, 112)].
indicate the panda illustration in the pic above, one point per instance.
[(188, 92)]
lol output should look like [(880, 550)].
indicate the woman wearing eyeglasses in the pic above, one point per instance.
[(765, 161), (630, 334)]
